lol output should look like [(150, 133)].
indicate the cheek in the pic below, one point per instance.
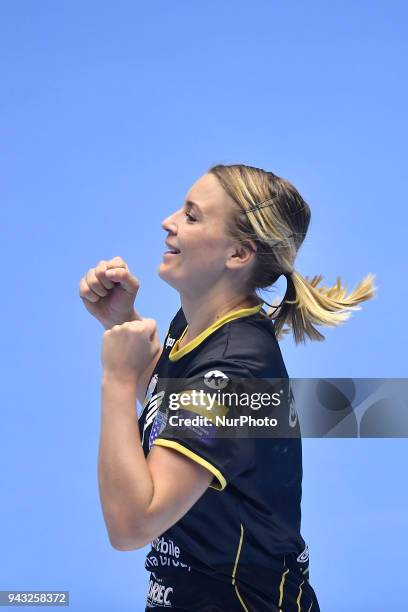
[(205, 251)]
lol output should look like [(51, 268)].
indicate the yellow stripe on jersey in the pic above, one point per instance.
[(299, 596), (281, 586), (219, 486), (240, 599), (176, 353), (234, 571)]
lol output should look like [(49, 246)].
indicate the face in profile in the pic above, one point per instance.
[(199, 251)]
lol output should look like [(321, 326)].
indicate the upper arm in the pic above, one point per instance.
[(178, 483)]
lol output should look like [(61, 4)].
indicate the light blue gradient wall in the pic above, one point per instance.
[(110, 111)]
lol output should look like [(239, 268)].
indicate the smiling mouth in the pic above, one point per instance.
[(172, 252)]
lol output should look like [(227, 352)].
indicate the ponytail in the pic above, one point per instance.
[(306, 305)]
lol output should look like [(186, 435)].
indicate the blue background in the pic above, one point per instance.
[(110, 111)]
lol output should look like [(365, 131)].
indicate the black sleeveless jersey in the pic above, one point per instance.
[(243, 534)]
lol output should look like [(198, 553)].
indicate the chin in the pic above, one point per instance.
[(164, 275)]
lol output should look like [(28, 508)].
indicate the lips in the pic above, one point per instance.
[(172, 249)]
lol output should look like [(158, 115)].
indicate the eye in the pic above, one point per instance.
[(190, 218)]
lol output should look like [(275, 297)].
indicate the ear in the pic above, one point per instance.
[(241, 254)]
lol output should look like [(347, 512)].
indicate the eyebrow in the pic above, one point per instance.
[(194, 205)]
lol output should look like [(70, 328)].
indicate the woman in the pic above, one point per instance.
[(222, 513)]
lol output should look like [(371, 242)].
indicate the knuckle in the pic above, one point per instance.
[(85, 291), (101, 266), (98, 289), (98, 273), (89, 276), (99, 276), (117, 260), (95, 284)]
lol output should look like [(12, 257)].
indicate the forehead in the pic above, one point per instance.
[(209, 195)]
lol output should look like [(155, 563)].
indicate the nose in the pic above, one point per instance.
[(169, 224)]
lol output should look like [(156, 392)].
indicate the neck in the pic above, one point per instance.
[(201, 313)]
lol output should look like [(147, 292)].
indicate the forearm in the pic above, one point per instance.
[(125, 482)]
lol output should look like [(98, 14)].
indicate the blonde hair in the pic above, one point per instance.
[(271, 212)]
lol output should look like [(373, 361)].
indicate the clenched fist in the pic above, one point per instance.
[(128, 349), (108, 292)]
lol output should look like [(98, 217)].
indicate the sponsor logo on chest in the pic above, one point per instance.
[(170, 342)]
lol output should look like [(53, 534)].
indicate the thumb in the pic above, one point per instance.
[(126, 280)]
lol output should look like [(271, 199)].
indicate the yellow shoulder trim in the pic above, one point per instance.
[(177, 353), (219, 486)]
